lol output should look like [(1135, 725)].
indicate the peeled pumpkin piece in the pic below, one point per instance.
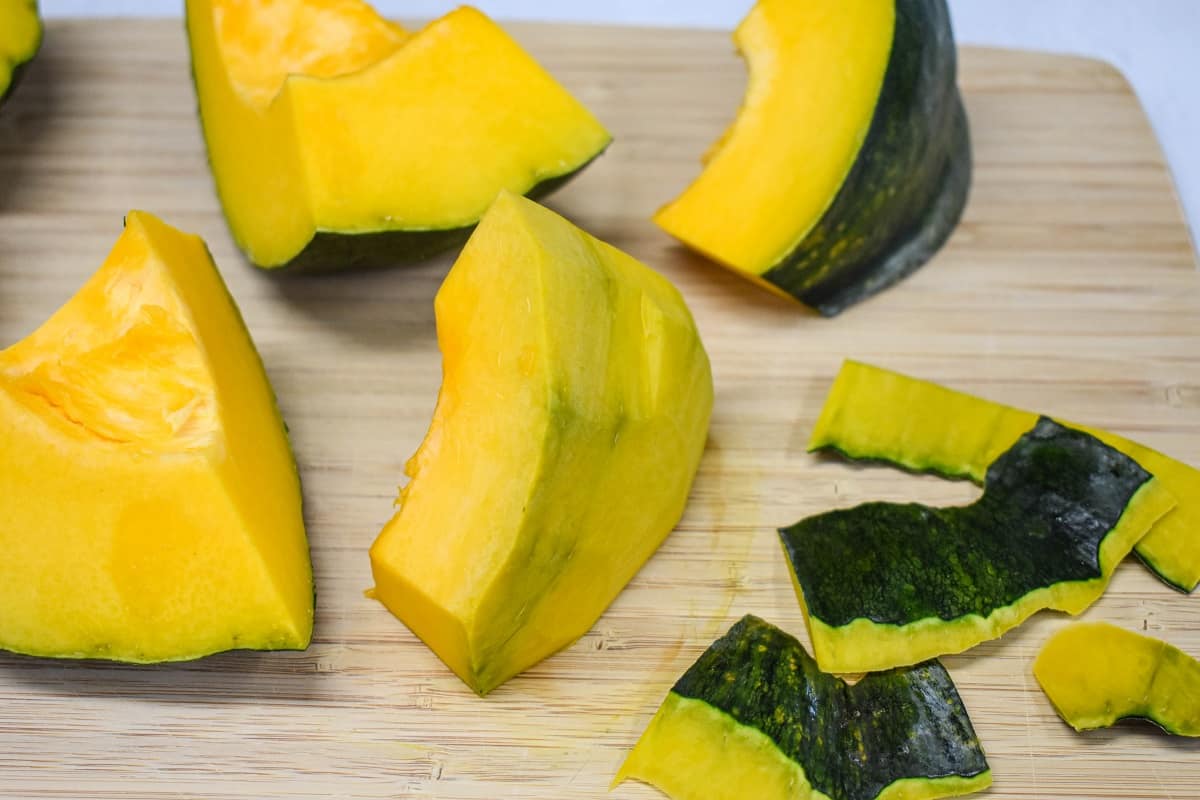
[(20, 38), (849, 162), (1096, 674), (150, 501), (875, 413), (755, 717), (338, 139), (573, 411)]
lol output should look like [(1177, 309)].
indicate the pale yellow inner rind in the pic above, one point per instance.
[(692, 751), (816, 70), (1096, 674)]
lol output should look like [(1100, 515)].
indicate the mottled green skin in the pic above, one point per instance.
[(1048, 504), (330, 251), (851, 741), (907, 189)]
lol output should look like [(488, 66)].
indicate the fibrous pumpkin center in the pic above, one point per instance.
[(264, 41), (120, 362)]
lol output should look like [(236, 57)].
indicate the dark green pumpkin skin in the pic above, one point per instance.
[(851, 741), (908, 186), (329, 251), (1048, 504)]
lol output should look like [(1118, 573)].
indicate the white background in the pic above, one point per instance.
[(1156, 43)]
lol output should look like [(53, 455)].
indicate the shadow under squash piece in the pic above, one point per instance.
[(885, 584), (1096, 674), (151, 506), (755, 717)]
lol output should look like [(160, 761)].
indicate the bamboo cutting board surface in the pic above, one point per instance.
[(1070, 287)]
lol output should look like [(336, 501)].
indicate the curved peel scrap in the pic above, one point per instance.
[(1096, 674)]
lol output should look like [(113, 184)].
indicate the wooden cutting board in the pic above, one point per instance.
[(1070, 287)]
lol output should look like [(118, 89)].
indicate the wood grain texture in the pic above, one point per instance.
[(1070, 287)]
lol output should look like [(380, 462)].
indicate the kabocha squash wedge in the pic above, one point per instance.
[(20, 38), (755, 718), (887, 584), (1096, 674), (150, 501), (849, 162), (573, 411), (874, 413), (339, 139)]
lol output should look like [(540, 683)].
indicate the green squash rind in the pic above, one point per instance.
[(1059, 511), (18, 67), (869, 415), (907, 189), (333, 251), (901, 733)]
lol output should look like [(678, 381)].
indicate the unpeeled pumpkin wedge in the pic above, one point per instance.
[(20, 38), (573, 411), (339, 139), (849, 162), (149, 501)]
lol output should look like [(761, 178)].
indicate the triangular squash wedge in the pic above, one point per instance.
[(340, 139), (149, 503)]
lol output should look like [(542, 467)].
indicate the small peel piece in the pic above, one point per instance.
[(1096, 674)]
